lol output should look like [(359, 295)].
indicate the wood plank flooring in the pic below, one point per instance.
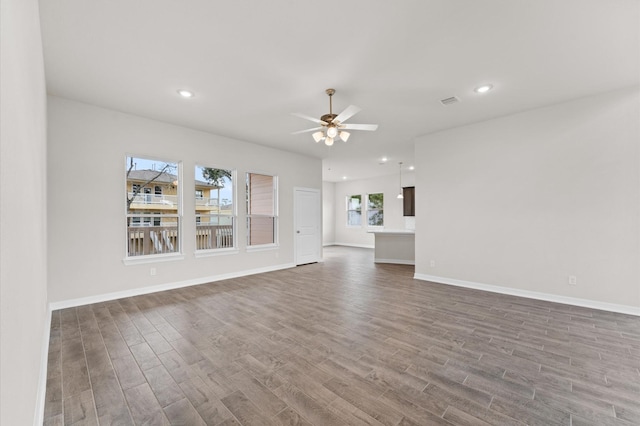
[(343, 342)]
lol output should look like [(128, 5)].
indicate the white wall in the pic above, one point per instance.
[(393, 218), (526, 200), (23, 212), (87, 149), (328, 213)]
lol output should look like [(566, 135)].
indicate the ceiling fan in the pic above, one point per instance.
[(332, 125)]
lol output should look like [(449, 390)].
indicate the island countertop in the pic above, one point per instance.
[(393, 231)]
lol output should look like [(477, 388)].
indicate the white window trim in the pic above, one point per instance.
[(153, 258), (276, 215), (347, 210), (216, 252), (160, 257), (233, 215), (367, 211), (262, 247)]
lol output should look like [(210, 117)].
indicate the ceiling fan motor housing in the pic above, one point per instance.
[(334, 129), (328, 118)]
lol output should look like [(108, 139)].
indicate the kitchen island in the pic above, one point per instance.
[(395, 246)]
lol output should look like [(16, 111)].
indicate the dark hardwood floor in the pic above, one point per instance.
[(344, 342)]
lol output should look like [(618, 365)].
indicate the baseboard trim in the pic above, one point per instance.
[(38, 418), (328, 244), (396, 261), (368, 246), (162, 287), (585, 303)]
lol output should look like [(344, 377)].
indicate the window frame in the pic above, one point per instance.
[(234, 215), (275, 216), (378, 210), (347, 200), (178, 253)]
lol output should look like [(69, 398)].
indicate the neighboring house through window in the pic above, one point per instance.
[(215, 210), (152, 208)]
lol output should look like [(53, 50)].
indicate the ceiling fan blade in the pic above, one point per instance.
[(359, 127), (347, 113), (305, 131), (307, 117)]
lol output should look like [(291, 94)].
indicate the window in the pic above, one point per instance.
[(152, 207), (215, 211), (261, 209), (375, 212), (354, 210)]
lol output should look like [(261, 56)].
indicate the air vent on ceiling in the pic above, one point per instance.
[(449, 101)]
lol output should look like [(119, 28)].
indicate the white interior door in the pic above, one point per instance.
[(307, 225)]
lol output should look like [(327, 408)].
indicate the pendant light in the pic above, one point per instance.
[(400, 196)]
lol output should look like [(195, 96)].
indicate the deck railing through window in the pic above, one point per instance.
[(209, 237), (145, 240)]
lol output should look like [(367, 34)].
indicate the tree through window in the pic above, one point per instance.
[(354, 210), (152, 207), (215, 210), (375, 210)]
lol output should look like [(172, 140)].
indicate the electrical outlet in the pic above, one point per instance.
[(432, 263), (152, 272), (572, 280)]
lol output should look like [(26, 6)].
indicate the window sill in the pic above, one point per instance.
[(263, 247), (215, 252), (154, 258)]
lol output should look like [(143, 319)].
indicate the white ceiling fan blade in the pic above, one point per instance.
[(305, 131), (347, 113), (359, 127), (307, 117)]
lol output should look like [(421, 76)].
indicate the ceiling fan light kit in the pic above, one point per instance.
[(332, 125), (318, 136)]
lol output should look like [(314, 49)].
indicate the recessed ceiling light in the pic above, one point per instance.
[(344, 178), (185, 93), (384, 159), (484, 88), (411, 168)]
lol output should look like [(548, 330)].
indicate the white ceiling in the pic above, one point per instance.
[(252, 63)]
